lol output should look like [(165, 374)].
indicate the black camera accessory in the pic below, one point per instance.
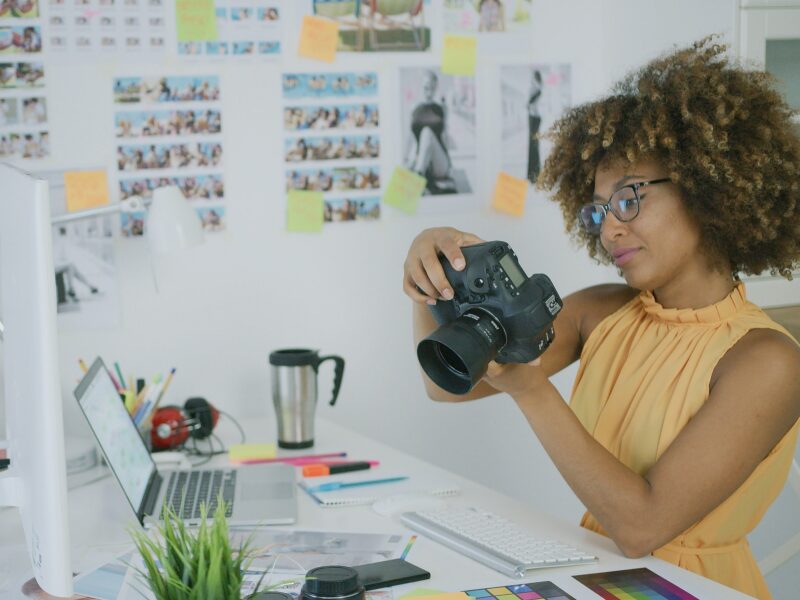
[(387, 573), (332, 582), (497, 313)]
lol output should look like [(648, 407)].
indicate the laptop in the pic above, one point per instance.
[(254, 495)]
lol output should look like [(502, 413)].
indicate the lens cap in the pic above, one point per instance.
[(332, 582)]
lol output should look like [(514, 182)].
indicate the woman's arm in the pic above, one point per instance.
[(754, 400)]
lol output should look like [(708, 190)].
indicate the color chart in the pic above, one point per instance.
[(543, 590), (633, 584)]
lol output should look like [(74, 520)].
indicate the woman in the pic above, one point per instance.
[(683, 417)]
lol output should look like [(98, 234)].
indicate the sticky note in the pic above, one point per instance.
[(318, 38), (509, 194), (459, 55), (196, 20), (304, 211), (404, 190), (85, 189), (242, 452)]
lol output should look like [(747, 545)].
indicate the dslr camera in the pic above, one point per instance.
[(497, 313)]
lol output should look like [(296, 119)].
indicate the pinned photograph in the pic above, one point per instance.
[(533, 97), (20, 40), (169, 156), (331, 117), (174, 123), (329, 85), (352, 209), (486, 16), (377, 25), (331, 148), (438, 128), (337, 178), (31, 145)]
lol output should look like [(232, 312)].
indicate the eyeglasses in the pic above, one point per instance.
[(623, 204)]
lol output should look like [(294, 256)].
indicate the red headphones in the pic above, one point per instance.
[(172, 426)]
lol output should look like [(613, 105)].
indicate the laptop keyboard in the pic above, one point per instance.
[(188, 490)]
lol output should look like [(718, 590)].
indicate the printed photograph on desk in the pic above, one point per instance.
[(487, 16), (168, 131), (97, 30), (533, 97), (377, 25), (437, 119), (87, 294), (246, 29)]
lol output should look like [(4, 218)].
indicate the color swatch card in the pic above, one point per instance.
[(525, 591), (638, 584)]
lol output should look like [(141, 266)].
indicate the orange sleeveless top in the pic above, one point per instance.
[(644, 372)]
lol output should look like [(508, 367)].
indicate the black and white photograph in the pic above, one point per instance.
[(532, 98), (438, 128)]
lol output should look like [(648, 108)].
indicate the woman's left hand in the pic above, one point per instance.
[(517, 380)]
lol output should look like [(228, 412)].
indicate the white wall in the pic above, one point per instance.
[(222, 307)]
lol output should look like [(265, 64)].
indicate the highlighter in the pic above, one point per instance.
[(322, 469)]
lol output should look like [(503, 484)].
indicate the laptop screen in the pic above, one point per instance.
[(116, 434)]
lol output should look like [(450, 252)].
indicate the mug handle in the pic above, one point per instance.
[(337, 374)]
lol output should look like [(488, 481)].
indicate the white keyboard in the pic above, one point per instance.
[(492, 540)]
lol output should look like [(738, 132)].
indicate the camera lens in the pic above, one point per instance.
[(456, 355)]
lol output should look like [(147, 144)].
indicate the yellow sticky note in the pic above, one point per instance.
[(509, 194), (238, 453), (318, 38), (420, 592), (459, 55), (305, 211), (404, 190), (196, 20), (85, 189)]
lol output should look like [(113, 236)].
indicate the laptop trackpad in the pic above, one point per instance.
[(265, 490)]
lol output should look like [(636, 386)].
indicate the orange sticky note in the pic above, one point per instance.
[(459, 55), (318, 38), (509, 194), (85, 189)]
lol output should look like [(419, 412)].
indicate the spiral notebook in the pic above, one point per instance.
[(368, 494)]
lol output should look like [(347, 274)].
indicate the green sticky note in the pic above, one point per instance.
[(196, 20), (459, 55), (305, 211), (404, 190)]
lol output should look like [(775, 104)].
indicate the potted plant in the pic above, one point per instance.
[(185, 564)]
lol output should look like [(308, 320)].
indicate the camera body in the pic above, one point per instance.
[(497, 313)]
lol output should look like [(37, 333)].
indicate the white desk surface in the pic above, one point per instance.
[(99, 516)]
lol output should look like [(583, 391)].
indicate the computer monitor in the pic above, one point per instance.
[(36, 481)]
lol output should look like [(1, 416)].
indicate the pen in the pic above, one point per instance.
[(119, 372), (83, 366), (292, 460), (321, 469), (338, 485)]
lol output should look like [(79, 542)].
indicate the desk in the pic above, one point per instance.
[(99, 516)]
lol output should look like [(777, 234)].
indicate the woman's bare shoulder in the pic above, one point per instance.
[(593, 304)]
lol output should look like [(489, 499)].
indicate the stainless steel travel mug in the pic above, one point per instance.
[(294, 393)]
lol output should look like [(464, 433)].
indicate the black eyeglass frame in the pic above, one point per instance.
[(607, 207)]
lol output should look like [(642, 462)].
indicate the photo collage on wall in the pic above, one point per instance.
[(245, 28), (532, 98), (438, 135), (99, 28), (23, 106), (332, 143), (169, 132)]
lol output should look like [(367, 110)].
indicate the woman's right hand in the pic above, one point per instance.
[(422, 267)]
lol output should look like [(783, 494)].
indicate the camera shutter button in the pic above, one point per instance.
[(479, 282)]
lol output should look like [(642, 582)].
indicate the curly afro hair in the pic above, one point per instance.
[(723, 134)]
